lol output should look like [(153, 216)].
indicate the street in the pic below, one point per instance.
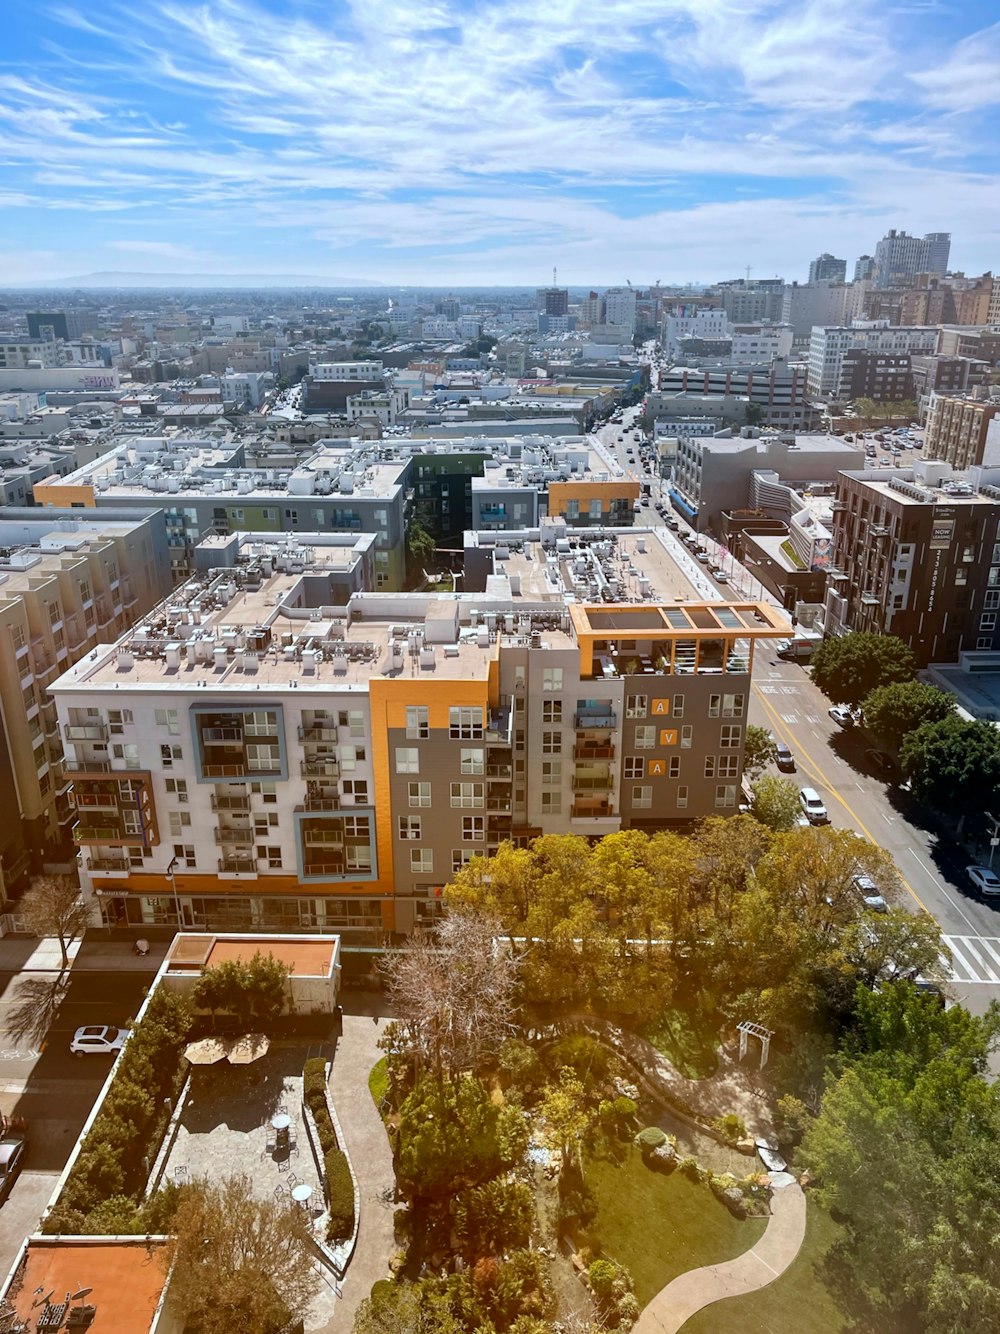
[(41, 1081)]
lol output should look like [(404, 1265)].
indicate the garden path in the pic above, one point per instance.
[(755, 1268)]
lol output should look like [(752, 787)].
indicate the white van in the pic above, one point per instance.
[(812, 806)]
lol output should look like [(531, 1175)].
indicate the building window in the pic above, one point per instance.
[(473, 761), (419, 794), (552, 711), (725, 796), (271, 854), (551, 803), (992, 600), (636, 706), (357, 788), (714, 705), (263, 822), (421, 861), (645, 738), (417, 723), (177, 788), (729, 766), (678, 706), (642, 798), (465, 724), (128, 754), (984, 641), (551, 771), (961, 576), (988, 620), (709, 766), (729, 737), (732, 706), (467, 795), (169, 719), (473, 828), (551, 743), (552, 678), (461, 857), (184, 852), (635, 767), (118, 720), (267, 792), (687, 733), (994, 577), (682, 798), (409, 828), (675, 766), (407, 760)]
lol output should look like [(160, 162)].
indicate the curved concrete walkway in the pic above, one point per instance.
[(756, 1268)]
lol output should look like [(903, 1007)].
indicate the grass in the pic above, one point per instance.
[(660, 1226), (378, 1085), (689, 1042)]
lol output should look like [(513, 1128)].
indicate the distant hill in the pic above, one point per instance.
[(112, 278)]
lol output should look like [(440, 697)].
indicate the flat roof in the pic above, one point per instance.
[(312, 956), (125, 1279)]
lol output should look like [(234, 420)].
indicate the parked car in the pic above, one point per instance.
[(984, 879), (868, 892), (13, 1148), (812, 806), (881, 762), (720, 576), (784, 758), (702, 556), (842, 715), (98, 1039)]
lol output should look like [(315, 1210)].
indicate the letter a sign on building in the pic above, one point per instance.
[(661, 708)]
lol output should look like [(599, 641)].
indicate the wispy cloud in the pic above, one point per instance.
[(419, 138)]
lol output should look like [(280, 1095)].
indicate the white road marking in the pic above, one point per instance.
[(968, 965), (984, 966)]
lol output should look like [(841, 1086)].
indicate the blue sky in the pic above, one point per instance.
[(433, 142)]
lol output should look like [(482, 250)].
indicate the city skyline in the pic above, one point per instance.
[(466, 145)]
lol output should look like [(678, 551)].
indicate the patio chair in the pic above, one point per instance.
[(279, 1191), (271, 1143), (293, 1150), (283, 1164), (292, 1180), (180, 1174)]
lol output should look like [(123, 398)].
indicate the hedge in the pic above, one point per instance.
[(339, 1182)]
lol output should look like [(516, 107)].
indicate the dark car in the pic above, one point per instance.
[(881, 762), (784, 758), (13, 1147)]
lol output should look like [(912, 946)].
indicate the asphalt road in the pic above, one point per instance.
[(41, 1081)]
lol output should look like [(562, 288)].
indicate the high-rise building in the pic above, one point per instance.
[(863, 267), (552, 301), (253, 757), (961, 431), (829, 345), (826, 269), (899, 257), (619, 308)]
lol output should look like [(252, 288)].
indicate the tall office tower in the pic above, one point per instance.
[(827, 269), (864, 265), (899, 257), (619, 303), (552, 301), (938, 250)]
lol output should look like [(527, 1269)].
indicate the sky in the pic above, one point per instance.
[(430, 142)]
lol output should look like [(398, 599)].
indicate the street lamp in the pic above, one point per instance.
[(171, 869)]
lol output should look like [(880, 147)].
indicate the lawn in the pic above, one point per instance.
[(660, 1226), (378, 1084), (689, 1042), (798, 1300)]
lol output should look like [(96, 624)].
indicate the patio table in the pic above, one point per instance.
[(281, 1122), (302, 1192)]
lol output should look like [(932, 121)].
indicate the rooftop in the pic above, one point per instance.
[(122, 1279)]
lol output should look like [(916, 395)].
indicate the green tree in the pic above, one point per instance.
[(847, 669), (53, 907), (758, 750), (238, 1261), (953, 765), (257, 989), (565, 1110), (892, 711), (420, 550), (753, 414), (494, 1218), (867, 410), (775, 802)]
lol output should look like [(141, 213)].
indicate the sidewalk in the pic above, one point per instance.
[(762, 1264), (27, 954)]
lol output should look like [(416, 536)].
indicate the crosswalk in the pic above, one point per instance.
[(974, 958)]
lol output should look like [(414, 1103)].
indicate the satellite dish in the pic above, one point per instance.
[(42, 1300), (84, 1292)]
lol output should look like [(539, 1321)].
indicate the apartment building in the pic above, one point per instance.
[(981, 343), (826, 269), (886, 377), (702, 321), (747, 301), (828, 347), (916, 553), (805, 305), (67, 581), (778, 388), (251, 756), (899, 257), (961, 431), (29, 353)]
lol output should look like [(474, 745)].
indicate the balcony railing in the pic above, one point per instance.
[(112, 864), (238, 838), (224, 770), (238, 865), (96, 801), (596, 720), (319, 732), (92, 833), (86, 732), (587, 811), (593, 783), (319, 804), (314, 838), (213, 736), (320, 768), (500, 772), (594, 752), (325, 868), (221, 802)]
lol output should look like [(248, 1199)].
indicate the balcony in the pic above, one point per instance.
[(96, 801), (215, 736), (592, 812), (337, 868), (319, 732), (593, 783), (594, 752), (86, 732), (108, 865), (97, 833), (320, 768), (499, 772), (595, 720), (238, 865), (329, 838), (224, 770), (222, 802), (498, 805), (331, 803), (498, 728), (231, 837)]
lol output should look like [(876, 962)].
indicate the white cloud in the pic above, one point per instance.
[(970, 77), (161, 250)]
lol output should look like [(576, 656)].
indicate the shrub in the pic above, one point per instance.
[(589, 1060), (340, 1189), (650, 1138), (314, 1096), (730, 1126), (690, 1168), (601, 1275), (378, 1085), (520, 1067)]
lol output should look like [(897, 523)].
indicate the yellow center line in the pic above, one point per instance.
[(823, 782)]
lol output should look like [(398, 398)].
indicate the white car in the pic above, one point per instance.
[(98, 1039), (985, 880), (842, 715), (868, 891), (812, 806)]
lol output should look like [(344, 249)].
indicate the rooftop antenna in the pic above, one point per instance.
[(749, 271)]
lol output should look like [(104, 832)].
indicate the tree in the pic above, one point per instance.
[(420, 550), (851, 667), (892, 711), (867, 410), (775, 802), (238, 1261), (565, 1110), (758, 750), (257, 989), (753, 414), (52, 906), (953, 765), (454, 993)]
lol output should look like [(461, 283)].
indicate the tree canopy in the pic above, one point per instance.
[(758, 750), (892, 711), (53, 907), (953, 764), (848, 668), (775, 802)]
